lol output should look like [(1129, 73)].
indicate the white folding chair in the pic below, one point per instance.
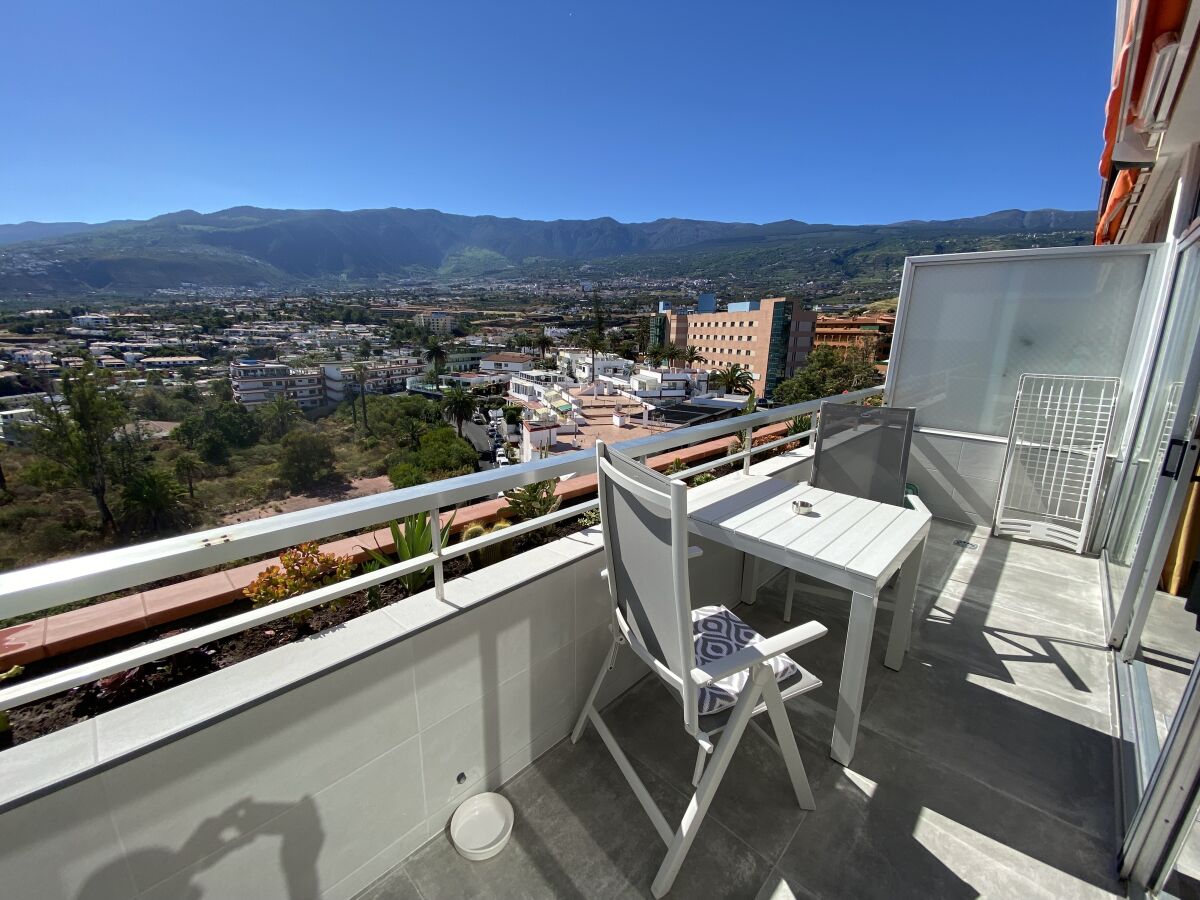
[(721, 670)]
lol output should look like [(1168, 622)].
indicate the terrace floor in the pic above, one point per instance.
[(984, 768)]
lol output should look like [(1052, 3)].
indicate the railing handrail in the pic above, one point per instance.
[(68, 580)]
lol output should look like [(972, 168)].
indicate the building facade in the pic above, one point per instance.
[(506, 362), (873, 333), (256, 383), (771, 338)]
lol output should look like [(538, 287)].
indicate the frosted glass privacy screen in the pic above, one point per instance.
[(971, 329)]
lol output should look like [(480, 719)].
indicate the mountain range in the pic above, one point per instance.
[(250, 247)]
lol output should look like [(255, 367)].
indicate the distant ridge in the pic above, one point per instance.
[(247, 246)]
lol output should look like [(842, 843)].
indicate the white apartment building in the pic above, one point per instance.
[(659, 384), (92, 320), (438, 322), (255, 383), (506, 362), (159, 363), (578, 363), (30, 357), (382, 377)]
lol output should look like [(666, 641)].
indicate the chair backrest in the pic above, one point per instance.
[(863, 451), (644, 518)]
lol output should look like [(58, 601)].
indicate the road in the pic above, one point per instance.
[(478, 436)]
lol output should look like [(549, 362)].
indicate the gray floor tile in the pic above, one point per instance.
[(581, 833), (755, 799), (395, 885), (1053, 754), (895, 824), (1014, 651)]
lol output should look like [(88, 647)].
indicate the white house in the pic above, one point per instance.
[(506, 362)]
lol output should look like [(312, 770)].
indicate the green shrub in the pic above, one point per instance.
[(404, 475)]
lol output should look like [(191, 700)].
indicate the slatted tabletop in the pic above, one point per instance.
[(861, 537), (848, 541)]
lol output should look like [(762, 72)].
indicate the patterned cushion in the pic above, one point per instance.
[(717, 633)]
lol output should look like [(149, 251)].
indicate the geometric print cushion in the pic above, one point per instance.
[(717, 632)]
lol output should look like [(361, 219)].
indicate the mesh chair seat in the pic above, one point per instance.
[(717, 632)]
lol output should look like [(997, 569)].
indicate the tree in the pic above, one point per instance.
[(187, 469), (77, 433), (691, 356), (435, 355), (152, 503), (360, 375), (306, 458), (410, 429), (404, 475), (733, 379), (212, 448), (594, 343), (279, 415), (655, 356), (222, 389), (828, 371), (443, 454), (543, 343), (459, 405)]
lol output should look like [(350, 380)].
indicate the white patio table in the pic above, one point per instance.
[(847, 541)]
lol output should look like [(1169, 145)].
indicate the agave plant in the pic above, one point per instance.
[(413, 539), (533, 501)]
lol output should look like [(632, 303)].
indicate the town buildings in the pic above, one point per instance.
[(770, 337), (870, 333), (256, 382), (506, 362)]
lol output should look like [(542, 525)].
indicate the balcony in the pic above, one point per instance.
[(985, 766), (991, 764)]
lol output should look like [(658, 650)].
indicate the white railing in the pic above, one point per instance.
[(65, 581)]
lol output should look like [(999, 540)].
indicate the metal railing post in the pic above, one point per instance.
[(747, 439), (435, 533)]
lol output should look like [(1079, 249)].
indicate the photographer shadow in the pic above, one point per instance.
[(242, 824)]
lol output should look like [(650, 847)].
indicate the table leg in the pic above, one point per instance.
[(854, 675), (902, 616), (749, 579)]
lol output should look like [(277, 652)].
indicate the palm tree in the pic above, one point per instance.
[(594, 343), (279, 415), (691, 356), (435, 355), (655, 356), (459, 405), (672, 353), (733, 379), (411, 429), (187, 469), (152, 502), (543, 343)]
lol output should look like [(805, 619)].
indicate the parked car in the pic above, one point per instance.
[(477, 418), (502, 461)]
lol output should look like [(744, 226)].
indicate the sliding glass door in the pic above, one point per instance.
[(1160, 453)]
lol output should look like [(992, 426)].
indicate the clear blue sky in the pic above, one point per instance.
[(844, 112)]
